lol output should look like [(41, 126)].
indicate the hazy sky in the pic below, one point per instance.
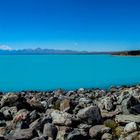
[(70, 24)]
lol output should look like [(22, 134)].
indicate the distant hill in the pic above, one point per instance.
[(40, 51), (126, 53)]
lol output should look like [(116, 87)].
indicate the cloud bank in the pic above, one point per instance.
[(5, 47)]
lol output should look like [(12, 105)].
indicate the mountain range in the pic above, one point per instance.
[(40, 51)]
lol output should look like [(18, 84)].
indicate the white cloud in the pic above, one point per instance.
[(5, 47)]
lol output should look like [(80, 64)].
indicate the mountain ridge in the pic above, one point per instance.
[(40, 51)]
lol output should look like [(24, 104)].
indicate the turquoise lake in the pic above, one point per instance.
[(48, 72)]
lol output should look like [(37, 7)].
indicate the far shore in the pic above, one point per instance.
[(125, 55), (40, 51)]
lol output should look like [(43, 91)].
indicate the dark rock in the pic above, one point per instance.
[(135, 109), (84, 126), (77, 135), (34, 115), (50, 130), (2, 116), (23, 124), (2, 138), (2, 123), (127, 105), (36, 124), (9, 112), (51, 101), (90, 115), (36, 105), (24, 134), (12, 111), (40, 138), (98, 130), (22, 104), (39, 123), (9, 99), (56, 105)]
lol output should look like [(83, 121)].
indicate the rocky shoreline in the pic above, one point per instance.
[(83, 114)]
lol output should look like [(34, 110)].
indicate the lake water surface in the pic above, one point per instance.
[(47, 72)]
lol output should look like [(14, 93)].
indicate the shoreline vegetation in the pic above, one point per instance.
[(127, 53), (82, 114), (40, 51)]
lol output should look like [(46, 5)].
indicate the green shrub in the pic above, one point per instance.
[(57, 105), (111, 124)]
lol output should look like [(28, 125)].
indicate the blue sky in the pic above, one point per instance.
[(95, 25)]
